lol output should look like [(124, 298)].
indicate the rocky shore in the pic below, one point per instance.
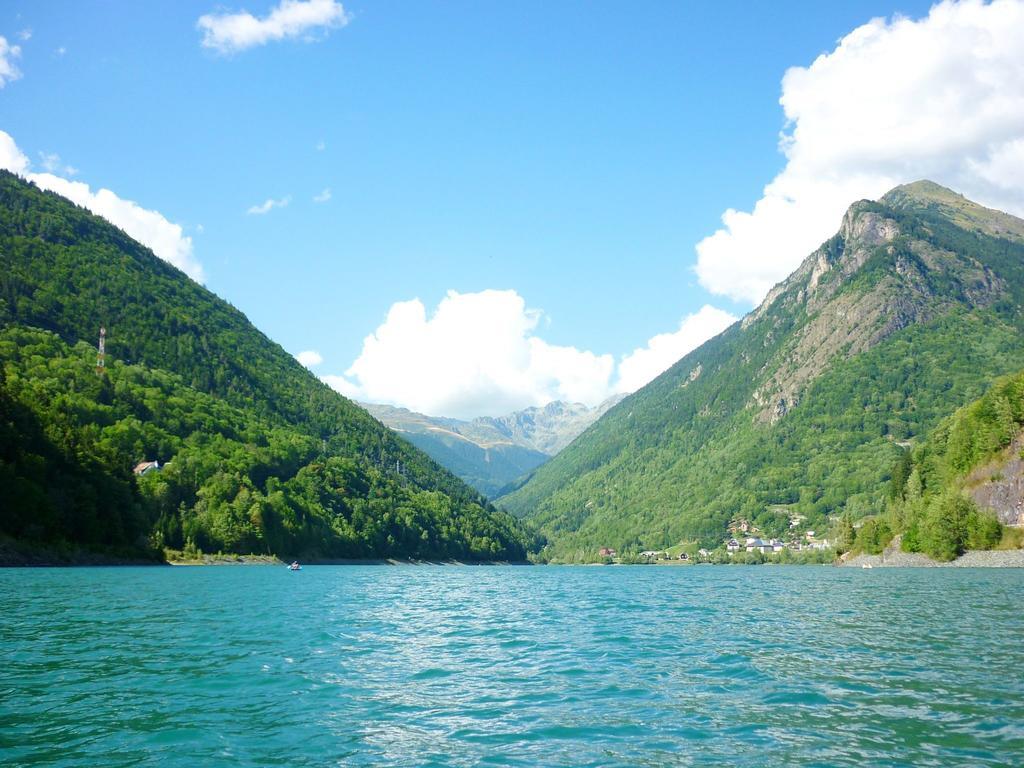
[(893, 557)]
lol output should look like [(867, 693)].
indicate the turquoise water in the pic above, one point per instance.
[(452, 665)]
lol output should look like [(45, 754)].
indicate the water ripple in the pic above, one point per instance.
[(511, 667)]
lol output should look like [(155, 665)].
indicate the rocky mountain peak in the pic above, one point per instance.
[(911, 280), (865, 227), (928, 196), (820, 276), (923, 193)]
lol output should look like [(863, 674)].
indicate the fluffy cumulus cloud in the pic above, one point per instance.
[(323, 196), (291, 19), (479, 354), (897, 100), (8, 53), (268, 205), (11, 158), (166, 239), (476, 354), (662, 351), (309, 358)]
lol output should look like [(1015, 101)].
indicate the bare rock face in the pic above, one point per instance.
[(694, 375), (849, 322), (999, 485), (551, 428)]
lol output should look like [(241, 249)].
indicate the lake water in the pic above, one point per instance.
[(547, 666)]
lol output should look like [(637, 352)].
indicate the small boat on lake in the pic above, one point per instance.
[(295, 566)]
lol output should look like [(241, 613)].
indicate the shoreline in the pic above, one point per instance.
[(13, 555), (890, 558)]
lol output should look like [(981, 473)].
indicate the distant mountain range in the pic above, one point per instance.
[(803, 408), (491, 453)]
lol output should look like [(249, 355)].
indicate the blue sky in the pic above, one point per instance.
[(574, 153)]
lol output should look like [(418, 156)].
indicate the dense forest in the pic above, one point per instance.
[(929, 503), (932, 317), (258, 455)]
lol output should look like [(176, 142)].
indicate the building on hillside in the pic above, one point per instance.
[(145, 467), (732, 545), (684, 556), (739, 525), (760, 545), (606, 552)]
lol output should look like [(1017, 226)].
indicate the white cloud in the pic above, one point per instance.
[(268, 205), (233, 32), (8, 70), (323, 197), (11, 158), (51, 164), (896, 101), (662, 351), (25, 35), (164, 238), (309, 358), (50, 161), (479, 354), (344, 386)]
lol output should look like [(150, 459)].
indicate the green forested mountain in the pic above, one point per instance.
[(952, 491), (909, 312), (261, 456)]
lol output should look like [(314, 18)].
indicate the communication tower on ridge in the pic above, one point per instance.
[(101, 357)]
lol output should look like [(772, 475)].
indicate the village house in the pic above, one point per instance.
[(732, 546), (756, 545), (606, 552), (144, 467)]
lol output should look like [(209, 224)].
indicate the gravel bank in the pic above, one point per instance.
[(1009, 558)]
